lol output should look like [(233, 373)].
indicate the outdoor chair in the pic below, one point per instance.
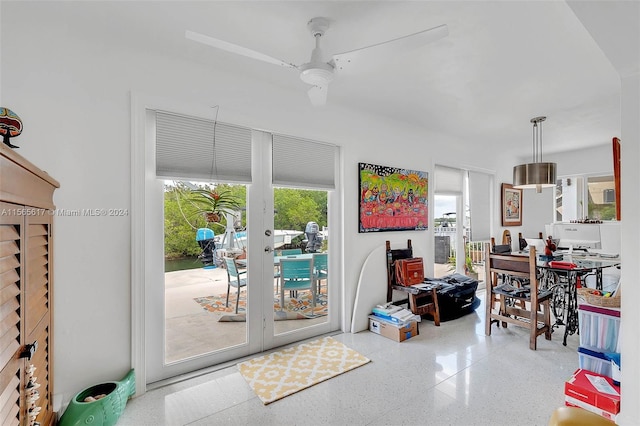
[(234, 279), (285, 252), (320, 268), (295, 275), (290, 252)]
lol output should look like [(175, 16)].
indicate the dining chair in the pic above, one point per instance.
[(537, 318), (320, 269), (295, 275), (290, 252), (276, 272), (286, 252), (234, 279)]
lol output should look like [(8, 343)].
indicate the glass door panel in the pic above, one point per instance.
[(203, 312), (193, 318), (301, 234), (445, 234)]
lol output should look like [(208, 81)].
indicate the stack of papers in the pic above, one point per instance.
[(395, 314)]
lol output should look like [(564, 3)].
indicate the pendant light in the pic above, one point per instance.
[(536, 174)]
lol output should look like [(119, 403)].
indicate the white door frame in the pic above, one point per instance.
[(146, 197)]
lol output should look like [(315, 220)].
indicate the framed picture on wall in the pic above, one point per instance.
[(511, 205), (392, 199)]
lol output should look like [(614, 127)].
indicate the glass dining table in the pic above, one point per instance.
[(277, 259), (563, 276)]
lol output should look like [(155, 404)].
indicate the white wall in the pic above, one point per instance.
[(594, 160), (630, 201)]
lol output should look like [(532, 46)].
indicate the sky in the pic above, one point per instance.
[(444, 204)]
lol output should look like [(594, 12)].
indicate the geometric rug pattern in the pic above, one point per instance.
[(300, 304), (282, 373)]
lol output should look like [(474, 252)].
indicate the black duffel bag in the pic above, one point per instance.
[(456, 296)]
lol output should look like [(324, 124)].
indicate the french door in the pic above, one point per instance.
[(187, 323)]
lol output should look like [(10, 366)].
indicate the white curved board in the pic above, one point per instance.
[(372, 287)]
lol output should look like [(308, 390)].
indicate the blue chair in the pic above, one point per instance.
[(290, 252), (234, 279), (276, 273), (286, 252), (320, 268), (295, 275)]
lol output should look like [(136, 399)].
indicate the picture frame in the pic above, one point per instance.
[(511, 202), (392, 199)]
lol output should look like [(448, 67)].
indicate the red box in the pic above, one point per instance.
[(572, 402), (593, 389)]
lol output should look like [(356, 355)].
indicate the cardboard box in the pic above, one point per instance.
[(572, 402), (593, 389), (397, 332)]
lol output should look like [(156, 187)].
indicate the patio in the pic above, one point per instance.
[(192, 330)]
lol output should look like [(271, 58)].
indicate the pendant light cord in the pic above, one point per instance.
[(537, 139)]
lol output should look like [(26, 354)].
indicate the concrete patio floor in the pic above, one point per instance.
[(192, 331)]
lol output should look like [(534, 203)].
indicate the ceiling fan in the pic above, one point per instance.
[(318, 72)]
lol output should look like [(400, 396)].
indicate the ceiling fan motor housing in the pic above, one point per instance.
[(317, 74), (318, 26)]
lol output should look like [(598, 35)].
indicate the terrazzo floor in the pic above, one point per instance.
[(447, 375)]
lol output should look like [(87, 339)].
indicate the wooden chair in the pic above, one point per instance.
[(420, 302), (522, 242), (504, 248), (506, 237), (537, 318)]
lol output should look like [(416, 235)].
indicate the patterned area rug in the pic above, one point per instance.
[(290, 370), (295, 308)]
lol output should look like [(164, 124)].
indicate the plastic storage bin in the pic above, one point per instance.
[(594, 361), (599, 328)]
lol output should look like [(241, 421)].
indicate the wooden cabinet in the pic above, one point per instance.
[(26, 285)]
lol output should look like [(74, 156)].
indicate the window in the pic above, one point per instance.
[(601, 206), (585, 197)]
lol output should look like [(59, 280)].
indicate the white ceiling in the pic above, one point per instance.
[(503, 62)]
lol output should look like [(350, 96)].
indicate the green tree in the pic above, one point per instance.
[(295, 207), (179, 235)]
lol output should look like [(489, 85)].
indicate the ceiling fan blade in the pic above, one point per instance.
[(234, 48), (360, 59), (318, 95)]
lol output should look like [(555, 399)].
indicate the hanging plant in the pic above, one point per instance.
[(214, 203)]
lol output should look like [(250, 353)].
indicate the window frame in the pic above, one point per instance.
[(582, 195)]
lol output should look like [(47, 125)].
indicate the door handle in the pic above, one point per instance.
[(268, 249)]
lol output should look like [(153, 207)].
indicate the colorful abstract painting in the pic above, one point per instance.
[(392, 199)]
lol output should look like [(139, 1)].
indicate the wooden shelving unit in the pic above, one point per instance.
[(26, 284)]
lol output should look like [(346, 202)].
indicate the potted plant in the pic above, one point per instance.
[(469, 267), (212, 203)]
